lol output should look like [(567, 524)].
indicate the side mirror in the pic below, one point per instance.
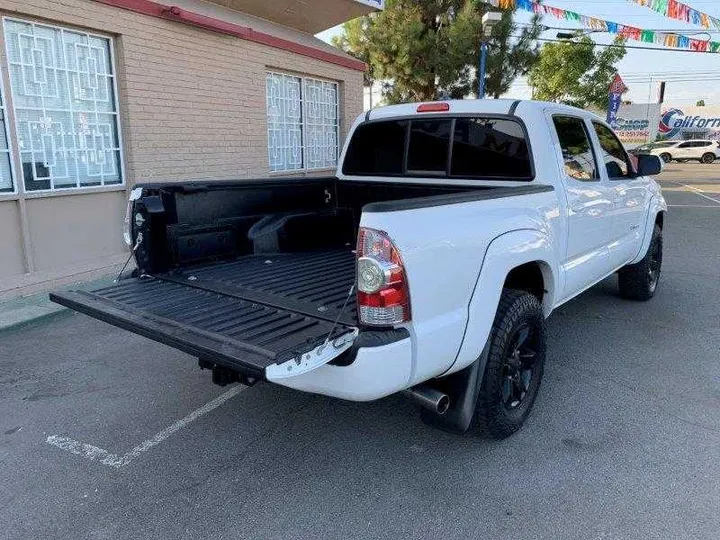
[(649, 165), (614, 170)]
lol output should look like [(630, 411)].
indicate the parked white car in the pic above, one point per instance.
[(702, 150), (427, 265)]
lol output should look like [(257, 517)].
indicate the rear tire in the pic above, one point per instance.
[(514, 368), (707, 158), (639, 281), (667, 158)]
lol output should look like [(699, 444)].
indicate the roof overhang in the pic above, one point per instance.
[(310, 16), (309, 46)]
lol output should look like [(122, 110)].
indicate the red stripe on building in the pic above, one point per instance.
[(172, 13)]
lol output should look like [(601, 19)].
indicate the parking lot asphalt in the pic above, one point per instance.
[(624, 441)]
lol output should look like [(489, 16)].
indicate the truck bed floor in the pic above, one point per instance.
[(315, 284)]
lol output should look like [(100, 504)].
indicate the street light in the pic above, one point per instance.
[(489, 20)]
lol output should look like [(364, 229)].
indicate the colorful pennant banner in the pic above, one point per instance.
[(680, 12), (670, 40)]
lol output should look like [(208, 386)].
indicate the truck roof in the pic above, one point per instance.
[(470, 106)]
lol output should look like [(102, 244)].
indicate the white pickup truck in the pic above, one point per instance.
[(428, 265)]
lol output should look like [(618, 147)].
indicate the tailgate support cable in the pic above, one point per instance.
[(132, 252), (337, 321)]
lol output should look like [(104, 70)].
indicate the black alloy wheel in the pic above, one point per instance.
[(639, 281), (654, 265), (515, 365), (519, 367)]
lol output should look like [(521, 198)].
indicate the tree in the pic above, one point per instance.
[(423, 49), (509, 57), (356, 40), (573, 72), (700, 103)]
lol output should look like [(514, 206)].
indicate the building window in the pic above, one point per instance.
[(284, 111), (6, 180), (303, 126), (321, 123), (63, 96)]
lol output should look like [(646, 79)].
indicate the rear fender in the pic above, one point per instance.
[(506, 252)]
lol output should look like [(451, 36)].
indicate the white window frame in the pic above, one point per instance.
[(15, 153), (303, 125), (10, 150)]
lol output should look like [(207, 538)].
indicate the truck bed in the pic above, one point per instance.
[(247, 313)]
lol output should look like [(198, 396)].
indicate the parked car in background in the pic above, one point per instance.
[(647, 148), (702, 150)]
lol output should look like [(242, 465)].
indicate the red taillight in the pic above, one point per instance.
[(434, 107), (383, 294)]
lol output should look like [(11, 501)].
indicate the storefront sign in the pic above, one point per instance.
[(691, 122), (637, 124)]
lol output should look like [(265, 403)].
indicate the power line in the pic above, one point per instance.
[(663, 79), (613, 45), (709, 77), (679, 31), (670, 73)]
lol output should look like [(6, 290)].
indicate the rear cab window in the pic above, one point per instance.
[(377, 148), (462, 147), (428, 146), (493, 148)]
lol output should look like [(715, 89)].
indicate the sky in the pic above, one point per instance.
[(642, 69)]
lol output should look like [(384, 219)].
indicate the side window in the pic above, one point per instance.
[(614, 156), (576, 149), (686, 145)]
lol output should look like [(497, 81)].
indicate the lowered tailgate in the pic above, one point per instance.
[(229, 324)]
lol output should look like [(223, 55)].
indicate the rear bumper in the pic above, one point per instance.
[(375, 373)]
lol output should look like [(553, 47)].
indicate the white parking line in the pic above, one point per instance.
[(716, 206), (114, 460), (700, 193)]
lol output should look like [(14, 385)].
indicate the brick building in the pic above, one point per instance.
[(100, 94)]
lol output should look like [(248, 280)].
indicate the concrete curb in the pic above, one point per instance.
[(23, 315), (28, 309)]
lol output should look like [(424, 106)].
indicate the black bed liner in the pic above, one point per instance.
[(246, 314)]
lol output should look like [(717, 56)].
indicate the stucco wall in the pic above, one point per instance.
[(59, 247), (11, 254), (192, 104)]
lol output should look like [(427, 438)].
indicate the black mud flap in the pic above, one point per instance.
[(241, 334)]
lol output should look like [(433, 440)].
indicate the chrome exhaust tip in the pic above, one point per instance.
[(429, 398)]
